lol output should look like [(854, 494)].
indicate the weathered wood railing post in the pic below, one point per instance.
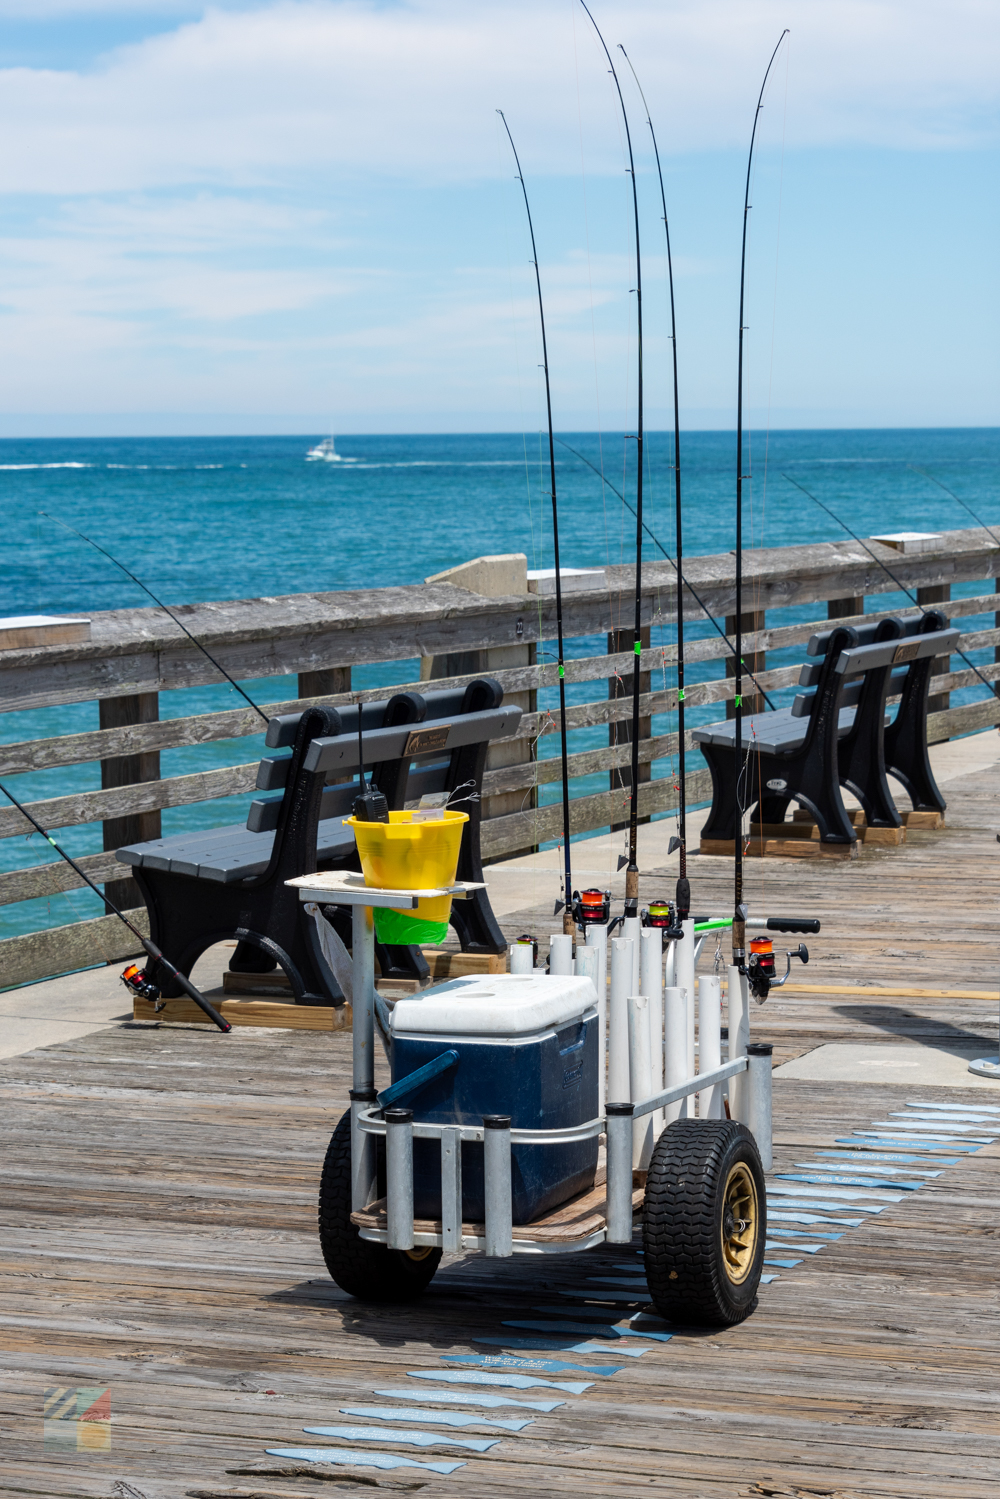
[(129, 770), (845, 608), (938, 702), (324, 683), (755, 661), (621, 731)]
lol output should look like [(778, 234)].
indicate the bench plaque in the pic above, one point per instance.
[(422, 740)]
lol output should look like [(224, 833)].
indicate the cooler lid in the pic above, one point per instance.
[(495, 1004)]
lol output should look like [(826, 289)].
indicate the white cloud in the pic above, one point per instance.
[(285, 89)]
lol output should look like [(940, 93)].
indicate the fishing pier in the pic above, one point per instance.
[(159, 1181)]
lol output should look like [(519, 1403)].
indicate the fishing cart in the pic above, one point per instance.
[(487, 1139)]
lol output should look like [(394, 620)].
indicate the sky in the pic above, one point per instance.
[(302, 215)]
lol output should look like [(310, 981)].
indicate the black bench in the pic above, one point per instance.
[(835, 733), (203, 888)]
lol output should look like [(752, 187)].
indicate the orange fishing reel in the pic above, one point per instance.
[(138, 982), (760, 966), (592, 907)]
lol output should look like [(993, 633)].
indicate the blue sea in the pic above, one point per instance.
[(236, 517)]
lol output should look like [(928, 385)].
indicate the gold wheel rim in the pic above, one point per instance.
[(418, 1254), (740, 1223)]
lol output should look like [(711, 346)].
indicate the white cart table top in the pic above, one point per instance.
[(347, 888)]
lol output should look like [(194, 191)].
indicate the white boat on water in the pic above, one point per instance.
[(325, 452)]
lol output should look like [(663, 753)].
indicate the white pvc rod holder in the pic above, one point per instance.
[(621, 988), (739, 1040), (757, 1081), (399, 1178), (684, 979), (640, 1076), (619, 1131), (631, 927), (561, 955), (522, 957), (710, 1043), (451, 1188), (651, 985), (597, 943), (499, 1199), (674, 1050)]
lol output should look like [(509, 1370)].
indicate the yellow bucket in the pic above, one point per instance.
[(406, 855)]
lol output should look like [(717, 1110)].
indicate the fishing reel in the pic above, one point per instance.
[(527, 940), (760, 966), (138, 982), (591, 907), (663, 914)]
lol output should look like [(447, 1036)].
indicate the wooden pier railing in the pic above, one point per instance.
[(134, 656)]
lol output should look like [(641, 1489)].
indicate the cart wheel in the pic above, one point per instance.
[(372, 1272), (704, 1222)]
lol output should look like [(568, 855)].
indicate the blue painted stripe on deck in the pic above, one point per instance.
[(957, 1108), (800, 1248), (840, 1180), (347, 1459), (782, 1264), (915, 1161), (851, 1160), (557, 1345), (402, 1438), (486, 1402), (790, 1217), (883, 1142), (766, 1280), (592, 1330), (497, 1361), (809, 1233), (431, 1417), (512, 1381)]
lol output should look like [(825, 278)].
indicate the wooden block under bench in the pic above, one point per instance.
[(250, 1012)]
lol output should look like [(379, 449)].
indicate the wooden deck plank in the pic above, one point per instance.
[(157, 1206)]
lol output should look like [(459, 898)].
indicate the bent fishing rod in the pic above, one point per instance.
[(632, 868), (160, 604), (682, 894), (149, 947), (566, 904), (739, 909), (667, 558), (992, 687)]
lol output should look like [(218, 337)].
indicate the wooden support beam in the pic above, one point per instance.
[(620, 689), (755, 661), (938, 702), (129, 770)]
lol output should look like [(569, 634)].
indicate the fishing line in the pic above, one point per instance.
[(667, 558), (922, 471), (149, 947), (567, 903), (159, 602), (632, 870), (993, 688), (739, 909)]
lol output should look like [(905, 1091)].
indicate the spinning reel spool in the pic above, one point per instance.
[(591, 907), (760, 966), (663, 914), (138, 982)]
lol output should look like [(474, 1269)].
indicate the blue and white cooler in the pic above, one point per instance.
[(527, 1046)]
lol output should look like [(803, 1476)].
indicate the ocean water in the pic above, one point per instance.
[(211, 518)]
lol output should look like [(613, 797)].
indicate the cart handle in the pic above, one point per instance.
[(414, 1081)]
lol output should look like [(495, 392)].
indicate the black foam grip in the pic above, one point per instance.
[(792, 924)]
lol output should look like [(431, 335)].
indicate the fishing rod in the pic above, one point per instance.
[(739, 909), (667, 558), (159, 602), (566, 904), (957, 498), (632, 869), (992, 687), (682, 894), (138, 983)]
